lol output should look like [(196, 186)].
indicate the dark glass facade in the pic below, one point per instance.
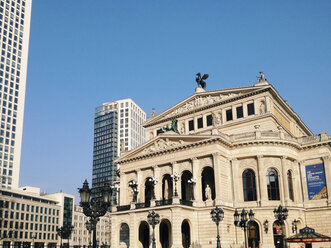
[(104, 150)]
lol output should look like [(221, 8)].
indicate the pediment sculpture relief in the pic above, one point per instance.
[(200, 101), (162, 144)]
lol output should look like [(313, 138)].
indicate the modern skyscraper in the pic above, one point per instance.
[(14, 35), (117, 127)]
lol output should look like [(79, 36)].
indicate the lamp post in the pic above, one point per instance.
[(153, 219), (217, 215), (134, 186), (281, 214), (242, 222), (266, 226), (94, 208), (89, 227), (192, 182), (154, 181), (295, 226), (175, 177), (64, 232), (116, 189)]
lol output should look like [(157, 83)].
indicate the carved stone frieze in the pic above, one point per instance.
[(200, 101), (163, 144)]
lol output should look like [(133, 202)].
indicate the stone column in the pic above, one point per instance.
[(262, 183), (175, 199), (327, 168), (123, 190), (235, 177), (303, 181), (297, 185), (141, 187), (217, 177), (198, 186), (285, 195), (176, 228), (158, 186)]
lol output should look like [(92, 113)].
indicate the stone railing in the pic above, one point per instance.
[(186, 202), (123, 208), (259, 135), (163, 202)]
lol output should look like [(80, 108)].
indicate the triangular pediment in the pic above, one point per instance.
[(162, 143), (201, 100)]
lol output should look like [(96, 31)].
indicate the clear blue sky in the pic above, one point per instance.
[(83, 53)]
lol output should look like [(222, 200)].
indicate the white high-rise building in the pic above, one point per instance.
[(117, 127), (14, 36)]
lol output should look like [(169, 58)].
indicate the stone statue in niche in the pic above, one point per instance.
[(153, 113), (166, 190), (182, 129), (217, 118), (262, 108), (208, 192)]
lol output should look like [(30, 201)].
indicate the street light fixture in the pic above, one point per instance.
[(217, 215), (153, 219), (175, 177), (295, 226), (281, 214), (64, 232), (89, 227), (94, 208), (266, 226), (242, 222)]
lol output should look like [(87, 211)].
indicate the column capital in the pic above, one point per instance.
[(283, 157), (216, 154), (233, 159), (194, 159), (326, 158), (174, 162), (259, 156), (137, 170)]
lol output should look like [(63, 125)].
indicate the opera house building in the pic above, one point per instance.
[(234, 148)]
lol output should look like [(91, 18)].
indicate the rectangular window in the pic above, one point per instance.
[(209, 120), (240, 112), (191, 125), (200, 122), (229, 116), (250, 109)]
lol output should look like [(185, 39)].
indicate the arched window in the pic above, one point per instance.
[(253, 234), (165, 234), (272, 184), (290, 185), (125, 234), (144, 234), (185, 186), (186, 234), (208, 184), (249, 186)]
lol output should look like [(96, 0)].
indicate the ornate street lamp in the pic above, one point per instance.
[(295, 226), (192, 182), (153, 219), (64, 232), (266, 226), (242, 222), (281, 214), (134, 186), (116, 189), (94, 208), (89, 227), (175, 177), (217, 215), (154, 181)]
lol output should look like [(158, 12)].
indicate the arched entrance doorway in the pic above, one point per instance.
[(125, 234), (149, 188), (167, 187), (277, 232), (185, 186), (208, 181), (144, 234), (165, 234), (186, 234), (253, 234)]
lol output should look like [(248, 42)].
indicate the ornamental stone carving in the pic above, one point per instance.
[(200, 101), (163, 144)]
